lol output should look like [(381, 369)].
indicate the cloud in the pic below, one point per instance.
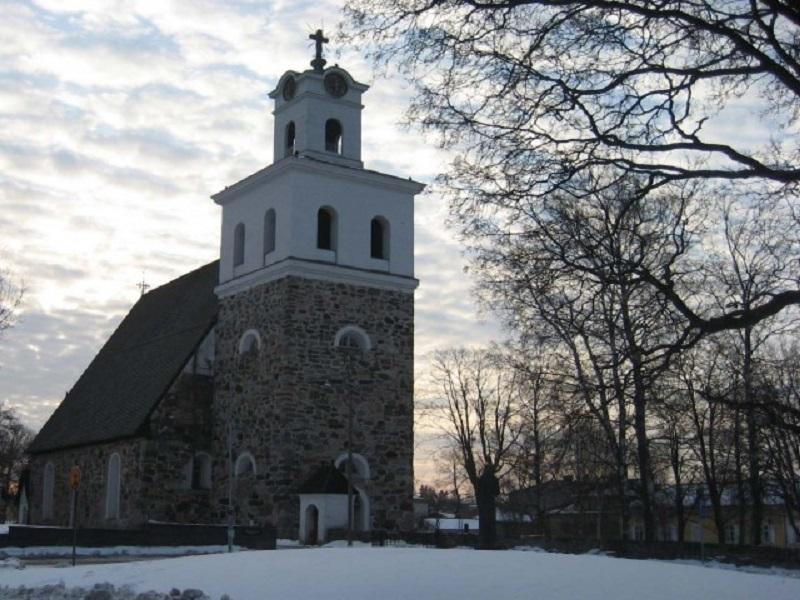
[(118, 120)]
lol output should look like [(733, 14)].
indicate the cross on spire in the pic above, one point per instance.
[(319, 38), (143, 286)]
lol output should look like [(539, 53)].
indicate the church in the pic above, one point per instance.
[(274, 385)]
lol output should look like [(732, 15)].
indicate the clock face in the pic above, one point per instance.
[(335, 85), (289, 88)]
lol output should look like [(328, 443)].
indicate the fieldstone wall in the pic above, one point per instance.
[(155, 476), (91, 501), (178, 429), (288, 404)]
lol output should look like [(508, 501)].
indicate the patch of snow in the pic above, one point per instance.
[(11, 563), (716, 564), (421, 573), (453, 524), (343, 543)]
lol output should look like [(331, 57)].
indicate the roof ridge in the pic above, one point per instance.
[(136, 365), (179, 278)]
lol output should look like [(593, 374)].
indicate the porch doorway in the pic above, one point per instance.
[(312, 525)]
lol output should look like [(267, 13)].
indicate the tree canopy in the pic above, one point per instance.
[(538, 97)]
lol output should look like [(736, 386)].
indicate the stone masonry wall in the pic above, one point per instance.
[(288, 405), (155, 480), (93, 462), (178, 429)]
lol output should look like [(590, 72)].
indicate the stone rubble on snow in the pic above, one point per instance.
[(11, 563), (100, 591)]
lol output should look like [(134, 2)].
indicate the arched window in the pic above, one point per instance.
[(360, 465), (326, 229), (249, 343), (48, 490), (379, 238), (238, 245), (245, 465), (290, 138), (269, 231), (112, 487), (353, 338), (333, 136), (201, 471)]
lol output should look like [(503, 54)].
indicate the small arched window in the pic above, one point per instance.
[(245, 465), (48, 490), (326, 229), (201, 471), (379, 238), (352, 338), (360, 465), (269, 231), (290, 137), (333, 136), (112, 487), (238, 245), (249, 343)]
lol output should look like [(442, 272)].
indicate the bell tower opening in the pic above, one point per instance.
[(290, 139), (333, 136), (326, 229), (318, 112)]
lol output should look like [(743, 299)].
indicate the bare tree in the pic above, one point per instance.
[(480, 405), (449, 463), (782, 444), (10, 300), (757, 262), (14, 440), (545, 442), (703, 379), (568, 270), (537, 97), (673, 448)]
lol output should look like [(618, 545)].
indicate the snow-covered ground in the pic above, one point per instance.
[(420, 574)]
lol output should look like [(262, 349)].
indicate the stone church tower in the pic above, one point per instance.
[(276, 384), (315, 330)]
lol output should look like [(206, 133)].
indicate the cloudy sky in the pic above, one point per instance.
[(118, 120)]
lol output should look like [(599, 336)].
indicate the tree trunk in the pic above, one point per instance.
[(487, 488), (754, 479), (679, 493), (643, 454), (741, 508)]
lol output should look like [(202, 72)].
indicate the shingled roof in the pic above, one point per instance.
[(127, 378), (327, 479)]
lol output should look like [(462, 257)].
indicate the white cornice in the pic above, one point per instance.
[(313, 94), (314, 165), (319, 271), (312, 74)]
